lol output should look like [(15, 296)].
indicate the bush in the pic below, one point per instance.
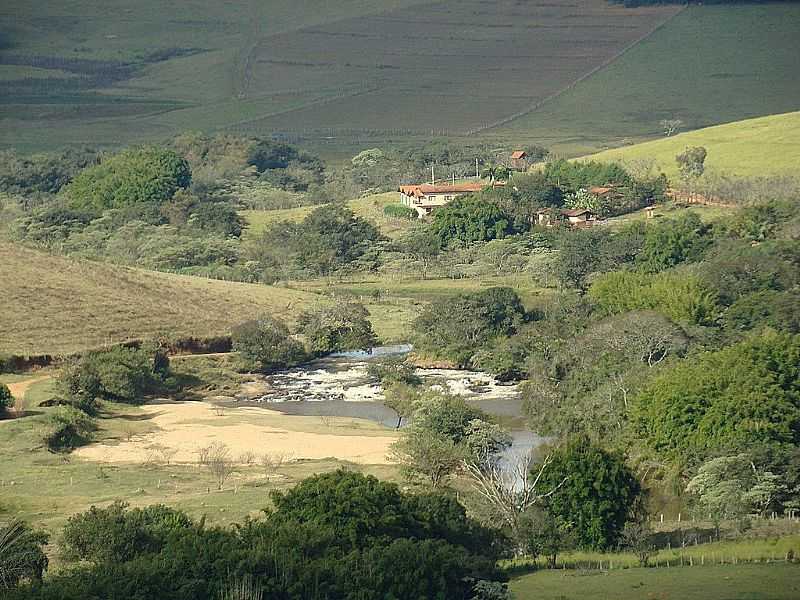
[(470, 219), (6, 399), (682, 297), (139, 175), (119, 374), (264, 343), (22, 555), (341, 327), (399, 211), (743, 397), (672, 242), (66, 428), (595, 492), (116, 534), (455, 328)]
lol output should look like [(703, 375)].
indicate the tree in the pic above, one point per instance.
[(742, 397), (469, 219), (597, 494), (674, 241), (511, 492), (22, 555), (583, 198), (219, 464), (691, 164), (423, 245), (136, 176), (637, 537), (265, 343), (455, 328), (340, 327), (428, 454), (543, 534), (580, 253), (671, 126), (6, 399), (119, 374), (117, 534)]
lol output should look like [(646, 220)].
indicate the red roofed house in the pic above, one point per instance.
[(519, 160), (576, 217), (426, 197)]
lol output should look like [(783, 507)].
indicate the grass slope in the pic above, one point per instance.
[(753, 147), (57, 305), (709, 65), (728, 582), (368, 207), (354, 71)]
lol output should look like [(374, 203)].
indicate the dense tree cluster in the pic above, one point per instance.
[(338, 535)]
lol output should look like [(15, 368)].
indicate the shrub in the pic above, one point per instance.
[(674, 241), (455, 328), (264, 343), (682, 297), (399, 211), (22, 554), (470, 219), (343, 326), (139, 175), (742, 397), (66, 428), (6, 399), (594, 491), (119, 374), (116, 534)]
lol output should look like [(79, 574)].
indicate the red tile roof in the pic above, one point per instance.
[(517, 154), (576, 212)]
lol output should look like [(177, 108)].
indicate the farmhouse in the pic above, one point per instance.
[(426, 197), (578, 217), (519, 160)]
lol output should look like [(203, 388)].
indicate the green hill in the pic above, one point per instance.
[(708, 65), (56, 305), (754, 147)]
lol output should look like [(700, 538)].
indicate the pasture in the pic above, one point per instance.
[(367, 207), (708, 65), (112, 73), (724, 582), (129, 460), (765, 146), (57, 305)]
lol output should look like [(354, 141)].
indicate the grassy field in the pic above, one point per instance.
[(368, 207), (58, 305), (753, 147), (113, 72), (707, 66), (74, 483), (729, 582)]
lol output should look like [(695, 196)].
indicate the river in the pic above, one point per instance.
[(341, 386)]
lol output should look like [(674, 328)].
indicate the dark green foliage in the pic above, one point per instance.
[(285, 166), (204, 213), (735, 269), (580, 253), (768, 308), (42, 173), (328, 239), (141, 175), (341, 327), (399, 211), (264, 343), (759, 222), (66, 428), (455, 328), (597, 493), (683, 297), (22, 555), (571, 176), (393, 370), (471, 219), (6, 399), (120, 374), (742, 397), (672, 242), (338, 535), (116, 534)]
